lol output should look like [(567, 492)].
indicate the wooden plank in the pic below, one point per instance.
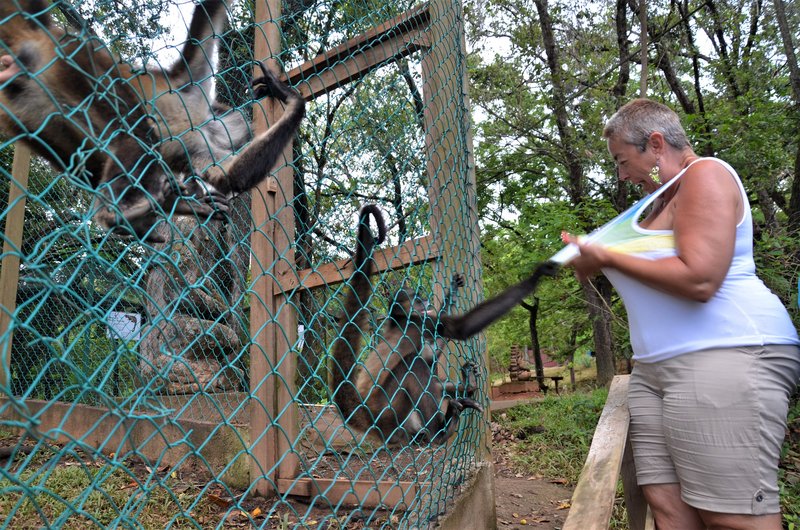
[(649, 522), (593, 498), (413, 252), (285, 324), (312, 85), (342, 64), (12, 242), (364, 493)]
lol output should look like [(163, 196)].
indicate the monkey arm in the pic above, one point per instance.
[(464, 326)]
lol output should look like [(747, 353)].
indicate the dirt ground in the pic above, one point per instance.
[(521, 501), (526, 501)]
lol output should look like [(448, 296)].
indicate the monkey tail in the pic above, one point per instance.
[(347, 347), (487, 312)]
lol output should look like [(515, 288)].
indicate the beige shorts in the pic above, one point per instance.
[(714, 421)]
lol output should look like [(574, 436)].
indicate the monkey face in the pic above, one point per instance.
[(149, 149), (21, 38)]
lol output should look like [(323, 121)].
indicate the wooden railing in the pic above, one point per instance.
[(610, 458)]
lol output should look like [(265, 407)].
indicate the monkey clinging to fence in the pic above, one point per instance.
[(398, 392), (150, 142)]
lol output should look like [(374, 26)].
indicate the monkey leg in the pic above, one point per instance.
[(469, 404), (446, 423), (251, 166)]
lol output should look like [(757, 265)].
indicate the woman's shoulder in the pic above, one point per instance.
[(709, 181), (710, 169)]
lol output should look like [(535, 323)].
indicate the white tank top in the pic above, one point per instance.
[(743, 312)]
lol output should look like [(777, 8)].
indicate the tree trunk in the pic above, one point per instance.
[(533, 314), (794, 81), (598, 296), (601, 321)]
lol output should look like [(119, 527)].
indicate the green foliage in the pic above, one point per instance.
[(735, 105)]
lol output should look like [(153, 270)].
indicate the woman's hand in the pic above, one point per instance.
[(591, 259)]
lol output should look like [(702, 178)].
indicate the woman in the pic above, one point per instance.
[(716, 355)]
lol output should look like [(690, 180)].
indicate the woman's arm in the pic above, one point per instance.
[(707, 208)]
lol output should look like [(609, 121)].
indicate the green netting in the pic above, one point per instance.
[(185, 385)]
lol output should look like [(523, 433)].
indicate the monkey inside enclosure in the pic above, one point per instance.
[(399, 391), (150, 141)]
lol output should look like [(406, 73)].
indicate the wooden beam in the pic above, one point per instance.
[(413, 252), (593, 498), (392, 40), (12, 242), (364, 493)]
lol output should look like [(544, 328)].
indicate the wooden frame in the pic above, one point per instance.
[(407, 33), (274, 467)]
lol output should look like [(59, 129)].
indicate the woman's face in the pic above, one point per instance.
[(633, 165)]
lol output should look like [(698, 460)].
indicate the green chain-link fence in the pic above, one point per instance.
[(185, 385)]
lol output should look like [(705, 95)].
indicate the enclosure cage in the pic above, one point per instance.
[(185, 384)]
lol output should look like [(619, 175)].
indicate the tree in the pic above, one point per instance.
[(546, 74)]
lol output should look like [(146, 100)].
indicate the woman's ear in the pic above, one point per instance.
[(656, 142)]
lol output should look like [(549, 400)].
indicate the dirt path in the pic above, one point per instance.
[(530, 503), (523, 501)]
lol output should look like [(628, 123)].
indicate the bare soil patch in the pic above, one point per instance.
[(526, 501)]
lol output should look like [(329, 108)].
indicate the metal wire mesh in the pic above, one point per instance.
[(185, 384)]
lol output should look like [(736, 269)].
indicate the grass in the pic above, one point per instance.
[(76, 494), (554, 435)]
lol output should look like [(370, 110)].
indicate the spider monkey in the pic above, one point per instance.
[(150, 141), (398, 392)]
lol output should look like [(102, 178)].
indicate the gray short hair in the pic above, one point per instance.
[(635, 121)]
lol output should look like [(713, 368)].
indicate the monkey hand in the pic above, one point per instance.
[(8, 68), (211, 201), (268, 85), (457, 281), (469, 371)]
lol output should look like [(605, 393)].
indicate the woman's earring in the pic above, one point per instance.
[(654, 175)]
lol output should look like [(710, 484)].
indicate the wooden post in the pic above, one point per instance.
[(450, 164), (12, 242), (273, 324)]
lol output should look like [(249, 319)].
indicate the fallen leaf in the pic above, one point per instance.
[(219, 501)]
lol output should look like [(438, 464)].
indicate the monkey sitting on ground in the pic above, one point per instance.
[(150, 142), (398, 392)]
